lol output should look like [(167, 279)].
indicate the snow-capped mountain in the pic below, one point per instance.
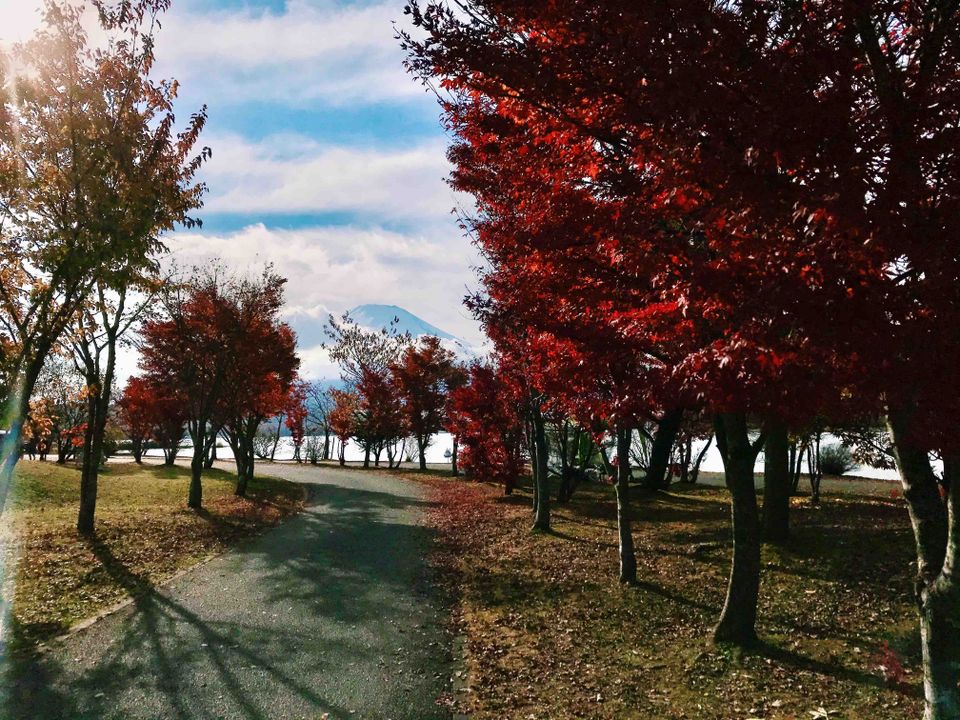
[(377, 317), (309, 327)]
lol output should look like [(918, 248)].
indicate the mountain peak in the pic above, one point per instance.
[(381, 316)]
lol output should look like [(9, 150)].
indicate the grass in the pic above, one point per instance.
[(549, 633), (144, 529)]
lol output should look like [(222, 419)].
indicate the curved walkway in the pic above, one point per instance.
[(329, 613)]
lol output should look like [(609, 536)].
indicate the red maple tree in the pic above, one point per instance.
[(799, 163), (228, 359), (423, 377), (485, 413), (380, 422), (149, 412), (343, 418), (134, 414), (295, 416), (260, 379)]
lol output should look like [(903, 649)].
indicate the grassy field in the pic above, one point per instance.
[(549, 633), (145, 534)]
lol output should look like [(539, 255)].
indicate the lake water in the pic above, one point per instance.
[(443, 443)]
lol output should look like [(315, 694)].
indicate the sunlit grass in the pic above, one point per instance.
[(550, 632), (145, 534)]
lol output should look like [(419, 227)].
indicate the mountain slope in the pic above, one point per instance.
[(381, 316), (377, 317), (309, 326)]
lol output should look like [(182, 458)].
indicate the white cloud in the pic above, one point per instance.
[(332, 269), (315, 363), (317, 50), (311, 50), (20, 19), (294, 174), (320, 54)]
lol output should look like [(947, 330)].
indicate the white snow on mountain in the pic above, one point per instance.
[(376, 317), (309, 327)]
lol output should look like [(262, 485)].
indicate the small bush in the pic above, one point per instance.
[(836, 460), (113, 439), (263, 444), (313, 449)]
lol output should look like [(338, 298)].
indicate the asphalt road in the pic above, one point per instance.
[(331, 612)]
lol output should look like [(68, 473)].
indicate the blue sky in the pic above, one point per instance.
[(328, 159)]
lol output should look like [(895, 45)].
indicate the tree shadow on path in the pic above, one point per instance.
[(349, 571)]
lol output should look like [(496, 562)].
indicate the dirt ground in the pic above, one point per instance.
[(549, 632)]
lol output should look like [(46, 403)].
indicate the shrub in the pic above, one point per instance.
[(836, 460), (113, 437), (263, 444), (313, 449)]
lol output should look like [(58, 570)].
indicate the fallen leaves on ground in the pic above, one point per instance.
[(549, 633)]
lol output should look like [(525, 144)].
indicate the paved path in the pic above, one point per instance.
[(328, 613)]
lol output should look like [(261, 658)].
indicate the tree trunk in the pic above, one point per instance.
[(813, 475), (798, 469), (16, 410), (199, 436), (563, 492), (575, 467), (737, 622), (211, 456), (195, 498), (242, 481), (326, 445), (628, 559), (792, 445), (605, 460), (511, 480), (138, 451), (453, 458), (251, 462), (9, 456), (62, 450), (239, 459), (366, 456), (687, 457), (667, 428), (88, 489), (541, 518), (816, 471), (241, 442), (940, 612), (532, 450), (936, 530), (241, 462), (928, 516), (422, 447), (940, 640), (244, 478), (93, 451), (695, 473), (88, 470), (776, 485), (343, 453), (276, 438)]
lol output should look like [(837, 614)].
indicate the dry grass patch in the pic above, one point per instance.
[(145, 534), (550, 633)]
